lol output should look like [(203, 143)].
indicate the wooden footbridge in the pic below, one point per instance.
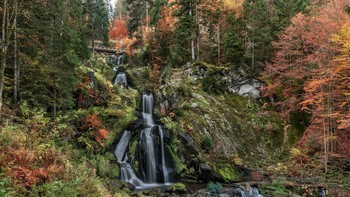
[(100, 49)]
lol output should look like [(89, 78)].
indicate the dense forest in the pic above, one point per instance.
[(175, 97)]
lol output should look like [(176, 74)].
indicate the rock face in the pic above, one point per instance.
[(236, 81), (246, 87), (227, 127), (205, 171)]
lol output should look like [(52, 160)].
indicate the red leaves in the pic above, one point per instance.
[(95, 124), (308, 74), (29, 168), (85, 93), (101, 134), (92, 121), (119, 29)]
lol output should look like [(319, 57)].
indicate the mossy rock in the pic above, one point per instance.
[(178, 188), (229, 173)]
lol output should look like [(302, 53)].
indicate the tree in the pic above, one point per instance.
[(119, 29), (181, 49), (9, 14), (97, 20), (304, 76), (258, 18)]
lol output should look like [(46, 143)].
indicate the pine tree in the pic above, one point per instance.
[(180, 52)]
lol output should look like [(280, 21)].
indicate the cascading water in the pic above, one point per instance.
[(120, 79), (127, 174), (154, 171), (120, 59), (147, 109), (164, 168)]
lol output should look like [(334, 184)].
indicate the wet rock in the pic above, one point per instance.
[(205, 171), (189, 142), (203, 167)]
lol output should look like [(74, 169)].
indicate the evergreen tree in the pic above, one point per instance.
[(181, 49), (233, 49), (258, 33)]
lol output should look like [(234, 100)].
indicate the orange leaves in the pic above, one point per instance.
[(312, 67), (85, 92), (95, 124), (29, 167), (126, 43), (101, 134), (118, 29), (92, 121)]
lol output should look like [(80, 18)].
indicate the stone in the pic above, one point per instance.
[(194, 105), (249, 90), (203, 167)]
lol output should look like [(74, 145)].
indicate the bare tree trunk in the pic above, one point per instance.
[(120, 9), (219, 41), (93, 44), (192, 41), (197, 33), (4, 46), (16, 66), (55, 99)]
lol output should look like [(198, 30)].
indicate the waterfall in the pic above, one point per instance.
[(154, 171), (147, 108), (149, 157), (127, 174), (120, 79), (120, 59), (120, 150), (164, 168)]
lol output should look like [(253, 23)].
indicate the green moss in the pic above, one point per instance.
[(114, 173), (228, 172), (207, 144), (169, 123), (105, 168), (178, 187), (181, 168)]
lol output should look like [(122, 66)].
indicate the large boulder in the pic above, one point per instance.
[(249, 90)]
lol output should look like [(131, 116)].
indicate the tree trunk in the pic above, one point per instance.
[(4, 46), (192, 41), (16, 66), (197, 32), (218, 38)]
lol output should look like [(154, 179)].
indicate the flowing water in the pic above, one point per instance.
[(154, 171), (120, 79), (120, 59)]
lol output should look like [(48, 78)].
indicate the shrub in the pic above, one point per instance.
[(207, 144)]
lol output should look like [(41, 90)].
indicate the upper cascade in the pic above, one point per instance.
[(120, 79), (120, 59), (147, 108)]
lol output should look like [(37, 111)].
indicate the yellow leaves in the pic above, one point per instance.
[(308, 102), (235, 6), (237, 160)]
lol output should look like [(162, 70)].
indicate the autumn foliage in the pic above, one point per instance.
[(310, 72), (118, 30), (29, 168), (94, 123)]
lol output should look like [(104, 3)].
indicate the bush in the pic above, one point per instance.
[(207, 144), (4, 190), (213, 84)]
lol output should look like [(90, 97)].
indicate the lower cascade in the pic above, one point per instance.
[(154, 160), (120, 79)]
